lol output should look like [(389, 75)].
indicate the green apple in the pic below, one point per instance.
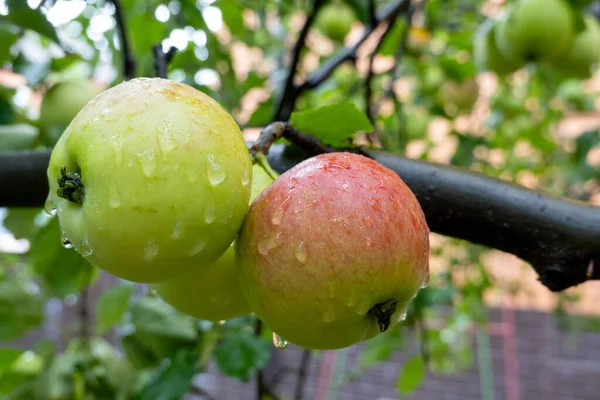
[(584, 53), (486, 55), (151, 179), (333, 251), (213, 292), (18, 136), (60, 105), (458, 97), (335, 20), (535, 30)]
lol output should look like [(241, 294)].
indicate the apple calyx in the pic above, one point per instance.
[(70, 186), (383, 312)]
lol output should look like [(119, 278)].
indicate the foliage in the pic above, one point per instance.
[(237, 51)]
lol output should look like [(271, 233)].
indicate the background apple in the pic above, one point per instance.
[(486, 55), (335, 20), (151, 179), (333, 251)]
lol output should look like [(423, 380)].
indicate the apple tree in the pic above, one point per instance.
[(451, 105)]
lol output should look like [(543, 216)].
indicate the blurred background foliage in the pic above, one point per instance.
[(436, 103)]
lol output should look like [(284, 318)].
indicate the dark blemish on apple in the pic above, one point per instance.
[(70, 186)]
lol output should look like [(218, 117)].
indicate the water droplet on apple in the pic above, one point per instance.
[(151, 249), (425, 281), (119, 152), (85, 247), (328, 316), (49, 206), (301, 254), (148, 161), (402, 317), (352, 300), (192, 174), (64, 240), (267, 244), (216, 173), (113, 197), (279, 342), (166, 141), (222, 322), (177, 230), (209, 212), (331, 289), (245, 177), (276, 220), (146, 86), (368, 241), (198, 247), (363, 308)]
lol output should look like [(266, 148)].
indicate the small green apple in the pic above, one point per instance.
[(578, 60), (60, 105), (151, 179), (213, 292), (486, 55), (333, 251), (335, 20), (458, 97), (535, 30)]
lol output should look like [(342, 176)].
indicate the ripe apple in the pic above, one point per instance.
[(486, 55), (335, 20), (60, 104), (213, 292), (150, 179), (578, 60), (535, 30), (333, 251)]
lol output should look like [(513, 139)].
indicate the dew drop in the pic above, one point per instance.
[(363, 308), (198, 247), (66, 243), (166, 141), (331, 290), (192, 175), (119, 152), (352, 300), (328, 316), (276, 220), (216, 173), (146, 86), (222, 322), (369, 241), (267, 244), (151, 249), (177, 230), (49, 206), (301, 254), (113, 197), (245, 177), (402, 317), (148, 161), (209, 213), (425, 281), (85, 247), (279, 342)]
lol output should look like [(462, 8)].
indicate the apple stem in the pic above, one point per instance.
[(70, 186), (261, 159), (383, 312)]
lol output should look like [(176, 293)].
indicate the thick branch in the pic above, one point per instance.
[(128, 59), (162, 59), (290, 88), (320, 75), (560, 238)]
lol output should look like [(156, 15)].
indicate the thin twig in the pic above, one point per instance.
[(372, 13), (128, 59), (302, 374), (162, 59), (321, 74), (198, 391), (290, 87), (84, 317), (424, 342)]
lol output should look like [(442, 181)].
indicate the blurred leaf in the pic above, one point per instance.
[(20, 221), (17, 136), (63, 270), (393, 39), (412, 374), (20, 14), (241, 354), (263, 114), (8, 37), (34, 72), (7, 114), (138, 354), (172, 380), (7, 357), (20, 309), (333, 124), (232, 17), (111, 306), (153, 315)]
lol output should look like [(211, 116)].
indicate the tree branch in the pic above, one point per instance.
[(290, 88), (372, 13), (128, 59), (560, 238), (162, 59), (320, 75)]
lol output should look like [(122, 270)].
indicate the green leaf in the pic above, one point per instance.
[(412, 374), (20, 14), (63, 271), (111, 306), (7, 357), (20, 309), (232, 16), (263, 114), (333, 124), (20, 221), (171, 381), (240, 354), (8, 37), (152, 315), (18, 136)]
